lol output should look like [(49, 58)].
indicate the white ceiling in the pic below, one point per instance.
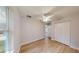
[(65, 10), (35, 11), (57, 11)]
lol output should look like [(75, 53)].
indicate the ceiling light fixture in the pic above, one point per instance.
[(46, 19)]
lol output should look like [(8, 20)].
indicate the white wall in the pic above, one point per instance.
[(74, 30), (32, 30), (14, 29), (59, 31), (22, 30), (62, 32)]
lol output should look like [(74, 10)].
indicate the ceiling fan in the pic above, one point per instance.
[(46, 19)]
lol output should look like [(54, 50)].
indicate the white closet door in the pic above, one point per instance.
[(62, 32)]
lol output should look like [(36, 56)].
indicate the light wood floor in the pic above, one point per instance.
[(51, 46)]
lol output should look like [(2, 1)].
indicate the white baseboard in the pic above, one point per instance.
[(23, 43)]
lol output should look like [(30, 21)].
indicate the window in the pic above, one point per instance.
[(3, 29)]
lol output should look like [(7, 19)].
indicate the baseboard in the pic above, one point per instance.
[(24, 43)]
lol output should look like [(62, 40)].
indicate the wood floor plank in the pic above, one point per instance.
[(50, 47)]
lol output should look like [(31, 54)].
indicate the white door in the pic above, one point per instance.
[(62, 32)]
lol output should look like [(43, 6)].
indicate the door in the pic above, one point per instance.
[(62, 32)]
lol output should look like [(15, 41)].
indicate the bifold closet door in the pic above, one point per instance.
[(62, 32)]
